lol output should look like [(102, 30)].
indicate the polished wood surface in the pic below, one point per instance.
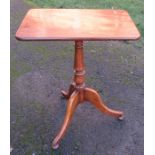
[(78, 93), (77, 24), (71, 106)]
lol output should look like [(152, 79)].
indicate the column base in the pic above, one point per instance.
[(76, 96)]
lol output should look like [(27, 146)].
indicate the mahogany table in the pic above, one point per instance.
[(78, 25)]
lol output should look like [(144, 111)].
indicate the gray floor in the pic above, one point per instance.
[(39, 70)]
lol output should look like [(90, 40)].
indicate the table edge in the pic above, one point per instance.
[(77, 38)]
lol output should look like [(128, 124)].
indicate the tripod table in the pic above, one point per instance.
[(78, 25)]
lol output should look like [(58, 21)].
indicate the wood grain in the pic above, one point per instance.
[(77, 24), (71, 106)]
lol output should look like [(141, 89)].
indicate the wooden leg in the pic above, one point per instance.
[(92, 96), (71, 106), (77, 93), (70, 91)]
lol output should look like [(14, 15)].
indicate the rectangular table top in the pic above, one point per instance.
[(77, 24)]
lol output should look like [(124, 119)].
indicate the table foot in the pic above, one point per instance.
[(64, 94), (121, 118), (78, 96), (55, 146), (92, 96), (70, 91), (71, 106)]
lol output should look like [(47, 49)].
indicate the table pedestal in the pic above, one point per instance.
[(78, 93)]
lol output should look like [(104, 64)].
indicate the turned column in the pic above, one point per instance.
[(79, 72)]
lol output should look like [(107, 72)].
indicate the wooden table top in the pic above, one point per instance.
[(77, 24)]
